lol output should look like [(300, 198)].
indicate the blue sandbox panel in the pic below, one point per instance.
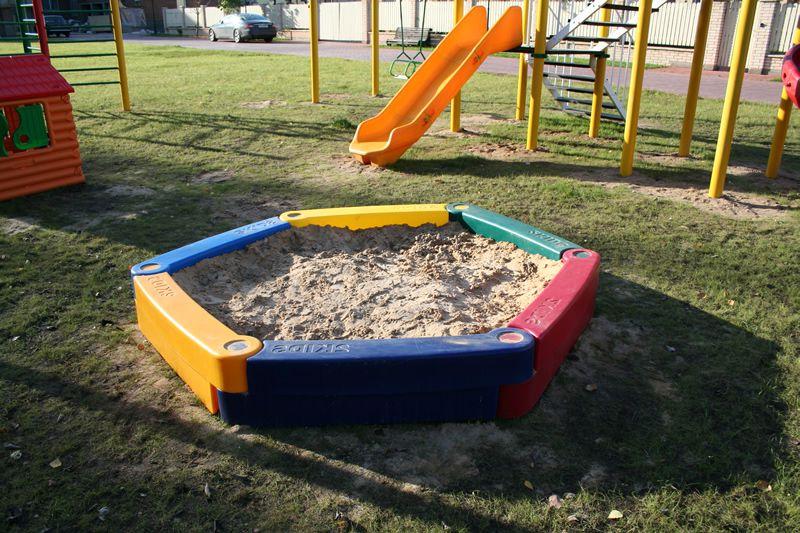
[(235, 239), (391, 366), (502, 228), (379, 381), (291, 410)]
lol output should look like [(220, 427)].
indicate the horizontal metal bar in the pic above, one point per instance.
[(570, 51), (581, 90), (87, 69), (575, 77), (610, 24), (587, 113), (582, 39), (67, 56), (60, 11), (566, 64), (15, 23), (65, 41), (94, 83), (607, 105)]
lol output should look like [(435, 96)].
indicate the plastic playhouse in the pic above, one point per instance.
[(38, 141), (272, 382)]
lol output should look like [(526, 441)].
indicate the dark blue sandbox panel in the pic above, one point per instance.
[(291, 410), (186, 256), (380, 381)]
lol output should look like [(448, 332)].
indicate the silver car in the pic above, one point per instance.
[(243, 27)]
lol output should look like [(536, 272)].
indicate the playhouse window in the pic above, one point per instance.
[(22, 128)]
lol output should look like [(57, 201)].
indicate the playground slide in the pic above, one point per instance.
[(791, 74), (382, 139)]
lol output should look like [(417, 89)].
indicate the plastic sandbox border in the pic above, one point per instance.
[(510, 367)]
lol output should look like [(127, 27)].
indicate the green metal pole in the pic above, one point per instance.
[(26, 41)]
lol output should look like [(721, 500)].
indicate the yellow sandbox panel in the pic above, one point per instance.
[(373, 216), (203, 351)]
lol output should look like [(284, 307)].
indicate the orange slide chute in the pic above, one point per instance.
[(382, 139)]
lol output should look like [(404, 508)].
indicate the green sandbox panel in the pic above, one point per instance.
[(502, 228)]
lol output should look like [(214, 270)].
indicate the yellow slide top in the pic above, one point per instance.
[(382, 139)]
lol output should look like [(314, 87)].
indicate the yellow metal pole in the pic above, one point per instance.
[(313, 6), (741, 45), (635, 89), (455, 104), (116, 24), (522, 75), (782, 124), (539, 49), (599, 80), (700, 38), (375, 42)]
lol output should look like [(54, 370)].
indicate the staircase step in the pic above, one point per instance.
[(576, 52), (582, 90), (610, 24), (623, 7), (607, 116), (581, 39), (582, 101), (566, 64), (575, 77)]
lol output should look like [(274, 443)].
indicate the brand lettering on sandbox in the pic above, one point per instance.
[(255, 226), (542, 311), (547, 237), (333, 347), (162, 287)]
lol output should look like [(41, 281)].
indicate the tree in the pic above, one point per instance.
[(230, 6)]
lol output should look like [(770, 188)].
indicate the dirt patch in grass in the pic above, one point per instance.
[(15, 226), (263, 104), (500, 150), (129, 190), (471, 125), (732, 204), (349, 164), (215, 176), (329, 283), (438, 456), (246, 209)]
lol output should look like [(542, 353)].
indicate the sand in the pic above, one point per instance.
[(328, 283)]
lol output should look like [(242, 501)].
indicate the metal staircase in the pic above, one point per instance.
[(586, 31)]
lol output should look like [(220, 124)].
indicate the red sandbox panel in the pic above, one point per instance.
[(556, 319)]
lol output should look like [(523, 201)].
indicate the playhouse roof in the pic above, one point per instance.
[(30, 76)]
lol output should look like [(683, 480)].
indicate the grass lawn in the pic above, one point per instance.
[(694, 346)]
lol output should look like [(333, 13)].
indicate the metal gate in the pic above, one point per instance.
[(728, 33)]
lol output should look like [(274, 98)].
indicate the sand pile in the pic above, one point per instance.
[(329, 283)]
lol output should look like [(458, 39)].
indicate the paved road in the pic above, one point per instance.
[(756, 88)]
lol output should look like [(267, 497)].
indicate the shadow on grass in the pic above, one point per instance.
[(139, 127), (684, 399)]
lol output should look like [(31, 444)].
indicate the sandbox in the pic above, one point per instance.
[(369, 315)]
